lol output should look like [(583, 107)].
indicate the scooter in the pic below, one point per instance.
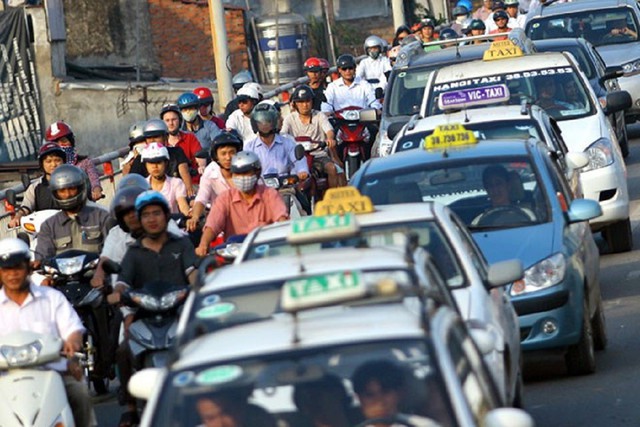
[(31, 394), (319, 181), (287, 186), (354, 136)]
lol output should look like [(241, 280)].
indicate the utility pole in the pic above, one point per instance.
[(398, 13), (220, 51)]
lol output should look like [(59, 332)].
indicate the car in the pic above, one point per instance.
[(545, 79), (533, 217), (602, 82), (327, 346), (454, 253), (593, 20)]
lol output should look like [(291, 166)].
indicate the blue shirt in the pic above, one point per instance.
[(278, 157), (206, 133)]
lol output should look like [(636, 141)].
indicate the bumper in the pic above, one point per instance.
[(632, 85), (608, 186)]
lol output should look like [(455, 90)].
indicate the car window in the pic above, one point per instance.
[(584, 62), (471, 248), (406, 90), (560, 184), (600, 27)]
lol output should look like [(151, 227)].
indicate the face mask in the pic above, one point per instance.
[(373, 53), (245, 183), (71, 154), (189, 115)]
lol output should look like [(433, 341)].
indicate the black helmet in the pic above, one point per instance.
[(448, 34), (69, 176), (133, 180), (302, 93), (224, 139), (51, 148), (245, 161), (477, 24), (346, 61), (171, 107), (123, 202), (500, 14), (13, 252), (265, 113)]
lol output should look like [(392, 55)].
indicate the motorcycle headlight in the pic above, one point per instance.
[(21, 355), (600, 155), (631, 67), (548, 272), (171, 299), (272, 182), (384, 149), (69, 266), (351, 115), (145, 301)]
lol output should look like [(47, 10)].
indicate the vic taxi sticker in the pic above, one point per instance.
[(473, 96), (445, 136), (219, 375)]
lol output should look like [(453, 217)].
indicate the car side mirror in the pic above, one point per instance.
[(610, 76), (583, 210), (299, 152), (394, 129), (576, 160), (379, 93), (504, 272), (143, 383), (618, 101), (508, 417)]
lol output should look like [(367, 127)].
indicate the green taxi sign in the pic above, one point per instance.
[(322, 290), (312, 229)]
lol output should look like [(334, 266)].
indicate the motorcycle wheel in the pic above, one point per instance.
[(351, 166)]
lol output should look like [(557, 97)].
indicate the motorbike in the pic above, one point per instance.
[(319, 182), (290, 187), (31, 394), (354, 136), (71, 272)]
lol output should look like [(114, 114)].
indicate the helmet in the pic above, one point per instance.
[(477, 24), (245, 161), (511, 3), (497, 5), (124, 201), (133, 180), (155, 127), (312, 64), (241, 78), (373, 41), (204, 95), (59, 130), (224, 139), (151, 197), (170, 107), (427, 22), (13, 251), (265, 113), (69, 176), (460, 10), (302, 93), (136, 133), (248, 92), (255, 86), (188, 100), (51, 148), (345, 61), (324, 64), (448, 34), (500, 14), (466, 4), (154, 153)]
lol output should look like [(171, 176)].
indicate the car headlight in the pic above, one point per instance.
[(21, 355), (69, 266), (384, 148), (631, 67), (600, 155), (548, 272)]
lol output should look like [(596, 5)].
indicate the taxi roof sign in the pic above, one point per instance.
[(462, 98), (446, 136), (342, 200), (322, 290), (502, 49), (312, 229)]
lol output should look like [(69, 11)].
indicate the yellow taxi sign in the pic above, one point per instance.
[(338, 201), (445, 136), (501, 49)]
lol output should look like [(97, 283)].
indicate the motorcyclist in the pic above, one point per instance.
[(305, 121), (427, 34), (205, 130), (461, 19), (25, 306), (240, 120), (78, 225), (61, 133), (156, 159), (216, 178), (516, 19), (476, 28), (237, 81), (136, 144), (349, 90), (376, 64), (187, 141), (244, 206), (312, 67), (448, 34), (37, 196), (501, 19), (157, 256), (206, 106)]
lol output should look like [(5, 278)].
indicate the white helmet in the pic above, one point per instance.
[(249, 92), (256, 86), (13, 251), (154, 153)]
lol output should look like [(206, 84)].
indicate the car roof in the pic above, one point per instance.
[(509, 65), (288, 266), (557, 8), (384, 214), (448, 55), (327, 326), (560, 42)]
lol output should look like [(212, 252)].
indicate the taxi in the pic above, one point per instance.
[(545, 79), (478, 293), (514, 199), (323, 360)]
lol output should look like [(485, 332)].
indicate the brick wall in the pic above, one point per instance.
[(181, 36)]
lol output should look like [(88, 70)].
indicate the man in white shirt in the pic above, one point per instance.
[(348, 90), (375, 65), (240, 119)]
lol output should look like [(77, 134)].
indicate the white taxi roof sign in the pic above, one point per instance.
[(446, 136), (342, 200), (322, 290), (501, 49), (317, 229)]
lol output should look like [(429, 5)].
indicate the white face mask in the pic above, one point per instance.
[(244, 183), (189, 115)]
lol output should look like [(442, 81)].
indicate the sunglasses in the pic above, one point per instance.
[(348, 68)]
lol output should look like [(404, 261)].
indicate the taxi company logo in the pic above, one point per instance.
[(305, 225), (474, 96), (466, 83), (215, 310), (219, 375), (322, 285)]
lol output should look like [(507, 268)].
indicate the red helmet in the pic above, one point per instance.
[(312, 64), (58, 130), (204, 95), (324, 64)]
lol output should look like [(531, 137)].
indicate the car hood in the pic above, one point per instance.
[(579, 134), (528, 244), (618, 54)]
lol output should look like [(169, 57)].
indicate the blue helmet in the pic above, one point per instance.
[(188, 100), (465, 3), (151, 197)]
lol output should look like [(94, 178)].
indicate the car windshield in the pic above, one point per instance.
[(507, 129), (487, 193), (305, 388), (406, 90), (600, 27), (430, 238), (584, 62), (558, 90)]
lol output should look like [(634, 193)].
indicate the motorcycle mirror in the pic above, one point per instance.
[(10, 195), (26, 181), (379, 93), (299, 152), (111, 267), (207, 264), (368, 115)]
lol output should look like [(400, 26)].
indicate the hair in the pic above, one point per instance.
[(388, 374), (303, 394), (494, 170)]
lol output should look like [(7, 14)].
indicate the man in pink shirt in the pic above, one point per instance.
[(243, 207)]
